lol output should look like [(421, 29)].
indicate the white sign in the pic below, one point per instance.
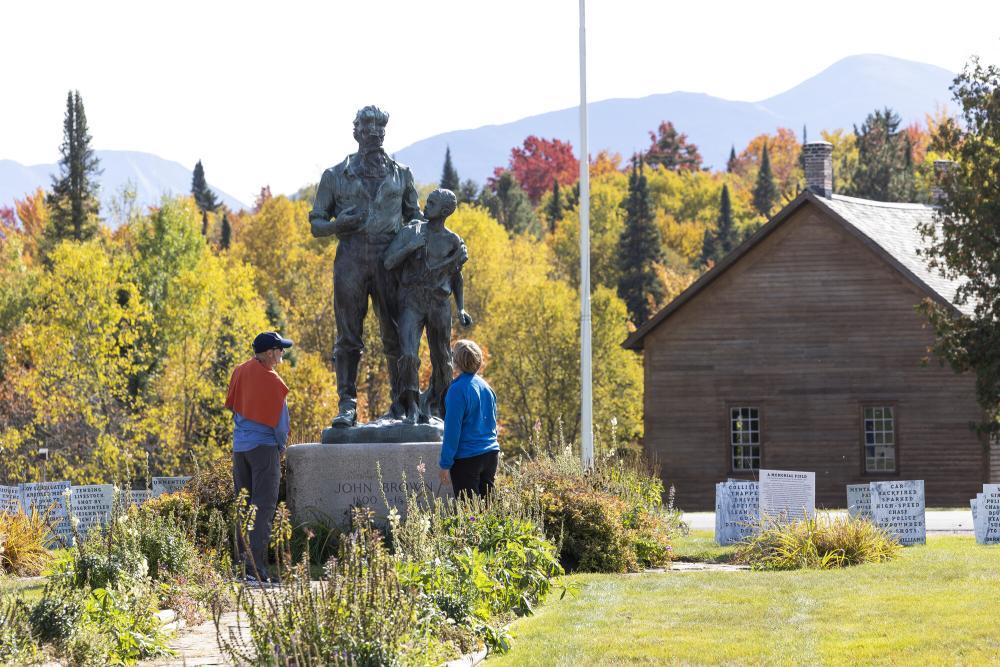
[(989, 511), (859, 501), (91, 505), (10, 499), (737, 512), (898, 508), (977, 519), (47, 497), (137, 497), (787, 495), (163, 485)]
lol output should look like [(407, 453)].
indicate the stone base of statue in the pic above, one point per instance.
[(357, 466)]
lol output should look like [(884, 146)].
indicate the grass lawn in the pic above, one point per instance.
[(937, 604)]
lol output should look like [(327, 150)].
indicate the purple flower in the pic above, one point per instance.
[(472, 519)]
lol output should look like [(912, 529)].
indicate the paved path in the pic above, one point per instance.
[(938, 521), (195, 646)]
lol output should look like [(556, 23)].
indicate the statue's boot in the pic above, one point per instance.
[(346, 366)]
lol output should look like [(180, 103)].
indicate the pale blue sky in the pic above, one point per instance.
[(264, 92)]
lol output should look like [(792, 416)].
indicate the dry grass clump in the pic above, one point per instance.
[(819, 543), (22, 543)]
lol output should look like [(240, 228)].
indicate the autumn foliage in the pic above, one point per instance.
[(539, 162)]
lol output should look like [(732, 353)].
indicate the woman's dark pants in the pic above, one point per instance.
[(474, 476)]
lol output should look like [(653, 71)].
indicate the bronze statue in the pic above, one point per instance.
[(429, 259), (364, 201)]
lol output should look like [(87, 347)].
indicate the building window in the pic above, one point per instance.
[(880, 439), (744, 434)]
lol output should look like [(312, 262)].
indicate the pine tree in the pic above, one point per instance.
[(203, 196), (509, 204), (720, 242), (73, 200), (731, 163), (639, 251), (554, 210), (226, 234), (764, 191), (204, 223), (884, 170), (449, 176), (468, 192)]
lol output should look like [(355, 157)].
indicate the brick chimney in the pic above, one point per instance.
[(941, 169), (817, 157)]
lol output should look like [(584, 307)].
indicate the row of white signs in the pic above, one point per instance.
[(788, 495), (90, 504), (986, 514)]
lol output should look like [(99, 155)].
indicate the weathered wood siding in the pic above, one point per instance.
[(808, 326)]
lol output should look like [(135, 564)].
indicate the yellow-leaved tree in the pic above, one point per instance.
[(76, 346)]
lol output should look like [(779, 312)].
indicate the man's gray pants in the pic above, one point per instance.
[(259, 472)]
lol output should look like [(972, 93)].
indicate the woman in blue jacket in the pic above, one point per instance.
[(469, 451)]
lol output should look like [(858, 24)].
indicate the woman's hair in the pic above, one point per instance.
[(468, 356)]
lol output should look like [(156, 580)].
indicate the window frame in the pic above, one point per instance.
[(730, 454), (862, 433)]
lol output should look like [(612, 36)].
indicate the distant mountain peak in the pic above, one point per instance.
[(837, 97)]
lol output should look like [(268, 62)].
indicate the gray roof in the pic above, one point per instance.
[(894, 228)]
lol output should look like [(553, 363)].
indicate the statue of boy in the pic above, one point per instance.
[(429, 260)]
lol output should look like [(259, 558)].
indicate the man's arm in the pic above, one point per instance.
[(322, 210), (411, 201), (348, 222), (283, 428)]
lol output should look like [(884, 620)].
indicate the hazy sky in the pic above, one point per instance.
[(265, 92)]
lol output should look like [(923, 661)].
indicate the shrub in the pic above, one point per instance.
[(610, 518), (23, 539), (820, 543), (357, 614), (17, 647), (54, 617)]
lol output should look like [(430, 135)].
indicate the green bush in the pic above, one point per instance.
[(17, 646), (819, 543), (54, 617), (610, 518)]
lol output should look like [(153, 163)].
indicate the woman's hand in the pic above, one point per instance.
[(444, 477)]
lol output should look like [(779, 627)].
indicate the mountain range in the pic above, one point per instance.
[(838, 97), (151, 176)]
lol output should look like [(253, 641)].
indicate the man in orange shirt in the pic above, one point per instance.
[(260, 433)]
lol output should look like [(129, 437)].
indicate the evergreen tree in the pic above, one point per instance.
[(509, 204), (884, 170), (73, 201), (449, 176), (468, 192), (720, 242), (731, 163), (554, 210), (639, 251), (765, 193), (203, 196), (204, 223), (225, 236)]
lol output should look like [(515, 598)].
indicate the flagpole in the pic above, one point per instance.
[(586, 370)]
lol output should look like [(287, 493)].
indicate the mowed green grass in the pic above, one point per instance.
[(937, 604)]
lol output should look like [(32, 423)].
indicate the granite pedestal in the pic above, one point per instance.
[(324, 480)]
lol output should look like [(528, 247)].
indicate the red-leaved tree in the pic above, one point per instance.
[(539, 162)]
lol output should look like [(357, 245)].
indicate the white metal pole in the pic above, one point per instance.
[(586, 371)]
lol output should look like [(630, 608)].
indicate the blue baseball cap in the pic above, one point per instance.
[(270, 340)]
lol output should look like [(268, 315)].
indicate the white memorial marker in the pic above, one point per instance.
[(989, 508), (10, 499), (48, 497), (859, 501), (787, 495), (91, 504), (898, 508), (163, 485)]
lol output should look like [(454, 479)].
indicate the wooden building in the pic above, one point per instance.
[(803, 350)]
